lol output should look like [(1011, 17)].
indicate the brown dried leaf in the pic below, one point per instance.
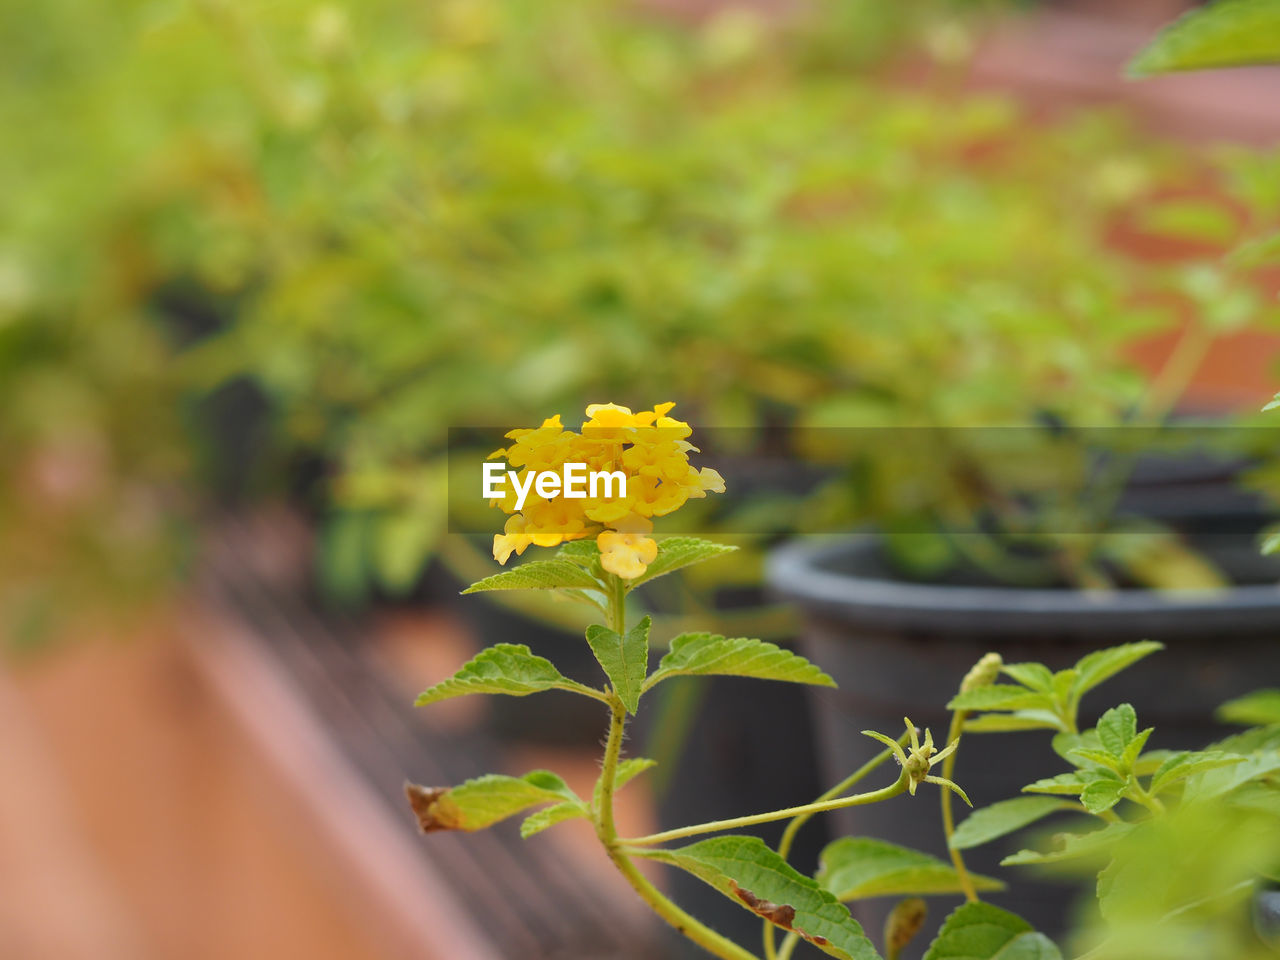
[(423, 801), (902, 925)]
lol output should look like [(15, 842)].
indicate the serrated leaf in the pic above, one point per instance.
[(1187, 763), (625, 659), (1063, 743), (550, 816), (1064, 783), (1116, 728), (582, 552), (631, 768), (1003, 818), (1036, 676), (1260, 797), (1000, 696), (1250, 741), (1134, 748), (627, 771), (1102, 794), (1255, 709), (1064, 682), (538, 575), (1229, 33), (1101, 665), (677, 552), (1151, 761), (1018, 720), (1091, 760), (702, 654), (507, 668), (746, 871), (857, 867), (1209, 784), (1071, 846), (484, 801), (980, 931)]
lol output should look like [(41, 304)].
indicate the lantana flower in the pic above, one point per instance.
[(649, 447)]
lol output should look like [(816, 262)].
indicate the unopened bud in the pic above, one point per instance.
[(983, 673)]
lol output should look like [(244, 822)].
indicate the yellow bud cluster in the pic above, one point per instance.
[(649, 447)]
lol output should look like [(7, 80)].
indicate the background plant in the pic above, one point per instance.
[(390, 220)]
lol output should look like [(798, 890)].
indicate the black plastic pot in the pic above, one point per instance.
[(900, 649)]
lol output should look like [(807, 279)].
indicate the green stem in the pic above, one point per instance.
[(1162, 397), (714, 826), (948, 820), (1149, 801), (792, 828), (607, 831)]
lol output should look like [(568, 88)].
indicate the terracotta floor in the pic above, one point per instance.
[(136, 824)]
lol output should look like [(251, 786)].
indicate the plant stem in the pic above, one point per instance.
[(1162, 396), (948, 821), (789, 834), (714, 826), (788, 946), (607, 831), (1148, 800)]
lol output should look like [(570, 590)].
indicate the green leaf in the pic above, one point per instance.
[(1134, 748), (627, 771), (1116, 728), (1102, 794), (1004, 817), (1255, 709), (746, 871), (484, 801), (1064, 783), (625, 659), (1092, 759), (1151, 761), (1209, 784), (507, 668), (1034, 675), (1000, 696), (1064, 682), (538, 575), (857, 867), (1229, 33), (1101, 665), (1018, 720), (550, 816), (701, 654), (980, 931), (1063, 743), (1072, 846), (582, 552), (1185, 764), (631, 768), (677, 552)]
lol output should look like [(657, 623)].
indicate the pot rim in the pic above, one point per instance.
[(798, 571)]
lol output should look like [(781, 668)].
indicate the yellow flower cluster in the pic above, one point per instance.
[(649, 447)]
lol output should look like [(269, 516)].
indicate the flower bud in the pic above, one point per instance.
[(983, 673)]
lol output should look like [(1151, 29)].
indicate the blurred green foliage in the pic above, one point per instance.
[(392, 218)]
